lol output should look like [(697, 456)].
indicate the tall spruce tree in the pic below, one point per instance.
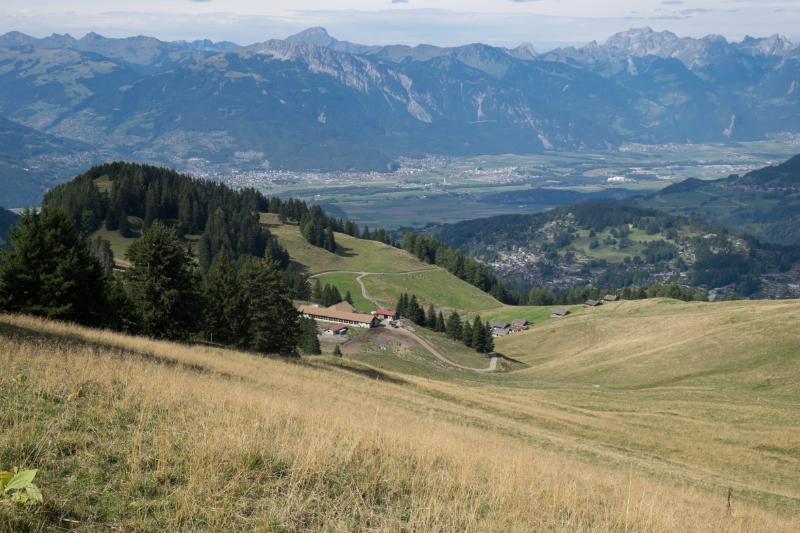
[(161, 285), (308, 341), (478, 335), (272, 318), (441, 325), (49, 270), (488, 341), (430, 318), (454, 328), (402, 305), (415, 311), (316, 292), (224, 312), (467, 336)]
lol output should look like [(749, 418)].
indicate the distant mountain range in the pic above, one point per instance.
[(311, 101)]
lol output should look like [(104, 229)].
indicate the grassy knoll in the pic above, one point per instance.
[(230, 441), (347, 282), (437, 287), (535, 314), (355, 255)]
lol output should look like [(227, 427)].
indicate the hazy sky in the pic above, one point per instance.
[(447, 22)]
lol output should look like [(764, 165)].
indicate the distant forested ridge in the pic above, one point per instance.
[(764, 203), (618, 246)]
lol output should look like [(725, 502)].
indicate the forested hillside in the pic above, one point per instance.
[(617, 246)]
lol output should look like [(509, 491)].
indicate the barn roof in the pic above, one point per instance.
[(335, 314)]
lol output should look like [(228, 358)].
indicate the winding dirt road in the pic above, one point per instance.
[(422, 342)]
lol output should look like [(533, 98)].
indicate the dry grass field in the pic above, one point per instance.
[(132, 434)]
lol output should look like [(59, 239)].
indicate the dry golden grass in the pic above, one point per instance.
[(171, 437)]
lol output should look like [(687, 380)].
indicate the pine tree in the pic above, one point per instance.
[(223, 307), (402, 305), (150, 206), (50, 271), (215, 238), (101, 249), (454, 329), (272, 319), (430, 318), (329, 242), (478, 335), (415, 312), (488, 340), (308, 341), (467, 336), (348, 298), (161, 285), (441, 325), (316, 292)]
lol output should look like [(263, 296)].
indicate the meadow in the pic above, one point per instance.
[(228, 440), (388, 272), (347, 282), (436, 287), (353, 255)]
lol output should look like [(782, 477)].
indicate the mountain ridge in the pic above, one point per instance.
[(313, 102)]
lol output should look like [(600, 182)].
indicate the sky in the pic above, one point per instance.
[(544, 23)]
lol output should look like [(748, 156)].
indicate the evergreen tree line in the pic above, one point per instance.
[(328, 295), (111, 193), (50, 270), (317, 227), (459, 264), (477, 335)]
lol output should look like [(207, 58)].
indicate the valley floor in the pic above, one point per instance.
[(604, 430)]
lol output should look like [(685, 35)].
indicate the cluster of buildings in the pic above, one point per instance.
[(502, 329), (343, 316)]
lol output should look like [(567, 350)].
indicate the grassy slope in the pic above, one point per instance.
[(437, 287), (355, 255), (232, 441), (119, 245), (347, 282), (404, 272), (707, 392)]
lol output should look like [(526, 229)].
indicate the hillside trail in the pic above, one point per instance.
[(422, 342)]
